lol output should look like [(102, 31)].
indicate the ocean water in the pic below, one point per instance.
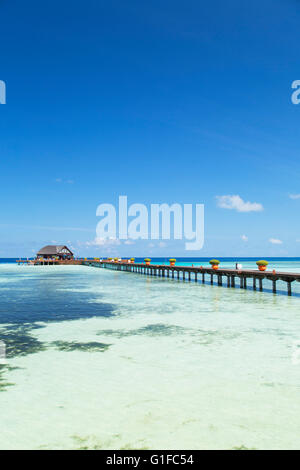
[(102, 359)]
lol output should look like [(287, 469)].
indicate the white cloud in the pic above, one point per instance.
[(275, 241), (107, 245), (244, 238), (129, 242), (294, 196), (235, 202), (103, 242)]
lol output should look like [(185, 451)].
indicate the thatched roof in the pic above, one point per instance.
[(54, 250)]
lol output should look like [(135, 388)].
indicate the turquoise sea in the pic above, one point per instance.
[(103, 359)]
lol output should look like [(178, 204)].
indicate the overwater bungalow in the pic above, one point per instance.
[(58, 252)]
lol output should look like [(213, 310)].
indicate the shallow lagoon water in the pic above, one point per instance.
[(109, 360)]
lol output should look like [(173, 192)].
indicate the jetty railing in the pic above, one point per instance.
[(48, 262), (192, 273)]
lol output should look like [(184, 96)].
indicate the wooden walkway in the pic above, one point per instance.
[(48, 262), (189, 273), (186, 273)]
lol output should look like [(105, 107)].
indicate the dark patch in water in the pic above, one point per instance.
[(158, 329), (26, 300), (92, 443), (83, 443), (207, 337), (41, 299), (19, 342), (203, 337), (92, 346), (3, 384), (244, 448)]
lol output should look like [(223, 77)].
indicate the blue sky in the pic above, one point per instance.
[(162, 101)]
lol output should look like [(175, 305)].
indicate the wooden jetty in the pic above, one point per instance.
[(190, 273), (48, 262), (223, 276)]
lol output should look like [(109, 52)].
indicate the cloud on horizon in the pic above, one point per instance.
[(275, 241), (104, 242), (235, 202)]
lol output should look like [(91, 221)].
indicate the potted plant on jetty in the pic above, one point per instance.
[(214, 263), (116, 260), (172, 261), (132, 260), (262, 264), (147, 261)]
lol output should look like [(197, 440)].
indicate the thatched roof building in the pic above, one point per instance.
[(55, 251)]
